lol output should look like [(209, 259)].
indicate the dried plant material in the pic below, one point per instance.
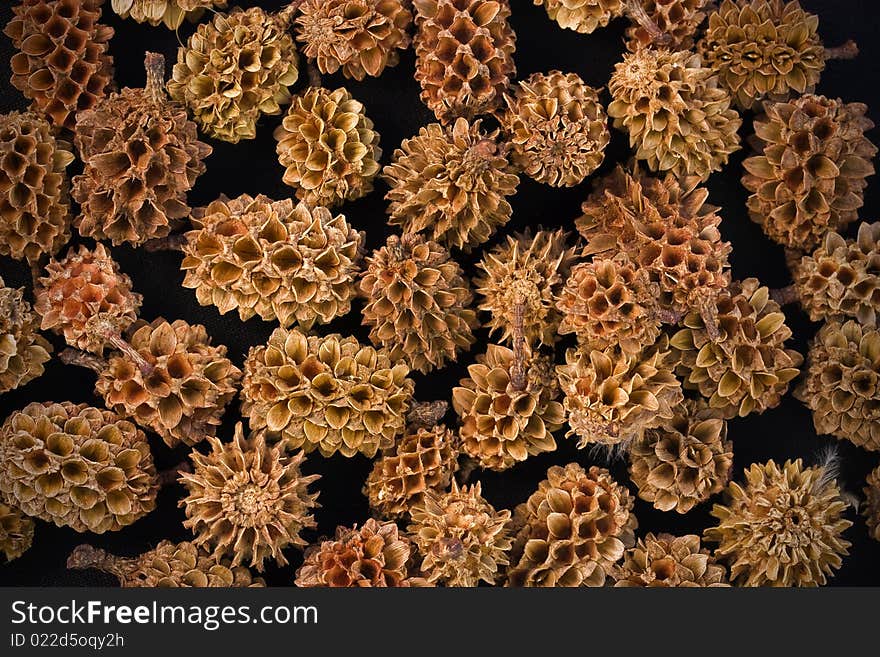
[(461, 538), (684, 461), (234, 69), (247, 500), (82, 294), (360, 37), (417, 302), (669, 561), (141, 155), (168, 565), (783, 527), (424, 459), (452, 183), (164, 12), (23, 351), (327, 393), (872, 503), (746, 368), (611, 396), (676, 20), (276, 259), (810, 171), (464, 55), (328, 147), (842, 383), (571, 530), (62, 63), (557, 127), (16, 532), (677, 115), (583, 16), (76, 466), (374, 555), (34, 203), (171, 380)]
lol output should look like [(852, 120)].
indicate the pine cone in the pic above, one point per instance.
[(184, 388), (842, 383), (361, 37), (373, 556), (62, 65), (81, 290), (464, 55), (168, 565), (810, 172), (76, 466), (763, 48), (610, 301), (462, 539), (669, 561), (276, 259), (872, 503), (747, 368), (327, 393), (783, 527), (23, 351), (452, 183), (677, 115), (234, 69), (572, 529), (34, 202), (424, 459), (328, 148), (684, 461), (142, 155), (247, 500), (417, 303), (16, 532), (611, 397), (583, 16), (529, 271), (557, 127), (168, 12), (678, 20)]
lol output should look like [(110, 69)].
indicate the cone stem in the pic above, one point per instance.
[(667, 316), (637, 12), (849, 50), (518, 378), (107, 331), (785, 295), (286, 14), (167, 243), (86, 556), (155, 65), (426, 415), (79, 358), (314, 74)]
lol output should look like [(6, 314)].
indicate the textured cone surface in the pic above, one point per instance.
[(417, 303), (811, 168), (666, 228), (34, 203), (452, 183), (842, 383), (747, 368), (572, 529), (763, 48), (183, 398), (82, 289), (328, 147), (503, 423), (248, 501), (169, 13), (677, 115), (677, 19), (361, 37), (76, 466), (872, 503), (16, 532), (527, 271), (611, 396), (557, 128), (374, 555), (464, 55), (234, 69), (664, 560), (62, 63), (327, 393), (423, 460), (462, 539), (278, 260), (783, 527), (684, 461), (583, 16), (23, 351)]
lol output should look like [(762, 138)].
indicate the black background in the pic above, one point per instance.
[(392, 101)]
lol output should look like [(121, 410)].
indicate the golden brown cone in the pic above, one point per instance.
[(582, 16), (16, 532), (23, 351), (664, 560), (169, 13)]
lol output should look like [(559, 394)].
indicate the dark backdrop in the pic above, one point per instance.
[(392, 101)]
